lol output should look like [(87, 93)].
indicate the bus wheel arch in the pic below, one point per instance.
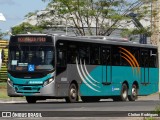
[(125, 82), (72, 92), (136, 83), (74, 82), (134, 91)]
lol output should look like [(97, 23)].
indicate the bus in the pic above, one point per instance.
[(44, 66)]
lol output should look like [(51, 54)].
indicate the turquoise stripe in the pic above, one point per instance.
[(118, 76)]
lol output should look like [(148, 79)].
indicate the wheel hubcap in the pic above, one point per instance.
[(124, 94), (73, 93), (134, 92)]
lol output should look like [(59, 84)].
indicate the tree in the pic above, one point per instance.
[(25, 27), (2, 34), (104, 15)]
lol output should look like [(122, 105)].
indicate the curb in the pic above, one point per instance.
[(3, 101)]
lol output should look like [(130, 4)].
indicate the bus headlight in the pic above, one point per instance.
[(48, 81), (10, 82)]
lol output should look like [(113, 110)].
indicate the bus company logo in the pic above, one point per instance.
[(86, 77), (129, 57), (6, 114)]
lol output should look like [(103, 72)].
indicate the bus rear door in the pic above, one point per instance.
[(107, 69), (145, 66)]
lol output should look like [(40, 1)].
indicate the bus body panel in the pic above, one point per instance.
[(119, 75), (33, 87), (48, 90), (150, 86), (95, 86)]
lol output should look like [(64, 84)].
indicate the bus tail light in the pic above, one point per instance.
[(48, 81)]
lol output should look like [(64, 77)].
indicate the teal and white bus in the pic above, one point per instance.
[(42, 66)]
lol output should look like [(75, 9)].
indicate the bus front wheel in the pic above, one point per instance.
[(72, 94), (134, 92), (30, 99)]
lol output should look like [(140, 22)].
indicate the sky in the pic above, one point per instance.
[(15, 10)]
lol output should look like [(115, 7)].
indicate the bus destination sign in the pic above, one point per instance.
[(31, 39)]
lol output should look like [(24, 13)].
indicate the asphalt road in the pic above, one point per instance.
[(105, 108), (143, 105)]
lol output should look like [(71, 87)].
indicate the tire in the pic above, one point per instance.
[(90, 99), (134, 93), (72, 94), (31, 99), (124, 94)]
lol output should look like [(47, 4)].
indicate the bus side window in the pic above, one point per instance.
[(136, 53), (116, 56), (72, 53), (84, 53), (106, 55), (144, 58), (153, 59), (61, 55), (95, 55), (61, 58)]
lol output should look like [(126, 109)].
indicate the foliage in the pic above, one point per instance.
[(31, 14), (104, 15), (156, 111), (150, 118), (24, 28), (2, 35)]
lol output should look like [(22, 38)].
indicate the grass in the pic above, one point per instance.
[(151, 118), (156, 111), (3, 90)]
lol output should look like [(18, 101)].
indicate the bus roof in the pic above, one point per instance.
[(95, 39), (105, 40)]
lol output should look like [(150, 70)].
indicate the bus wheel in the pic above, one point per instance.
[(30, 99), (134, 93), (72, 94), (124, 94), (90, 99)]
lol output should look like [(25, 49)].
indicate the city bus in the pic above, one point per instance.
[(44, 66)]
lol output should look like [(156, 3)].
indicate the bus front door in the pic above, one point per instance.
[(106, 68), (145, 65)]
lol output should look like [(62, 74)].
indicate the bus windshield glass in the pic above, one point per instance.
[(31, 58)]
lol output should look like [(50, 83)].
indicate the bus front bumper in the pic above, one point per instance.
[(36, 90)]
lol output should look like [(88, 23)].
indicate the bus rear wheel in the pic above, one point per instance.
[(72, 94), (30, 99), (124, 94), (134, 93)]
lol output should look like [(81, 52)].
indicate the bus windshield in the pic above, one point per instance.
[(31, 58)]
